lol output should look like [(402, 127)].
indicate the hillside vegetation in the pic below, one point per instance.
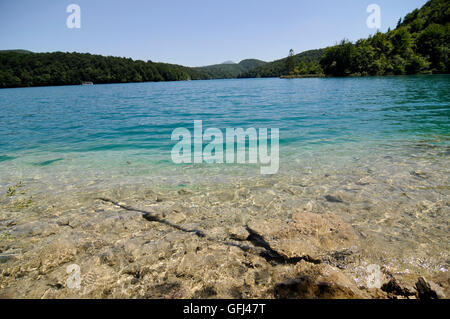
[(419, 44), (306, 63), (58, 68)]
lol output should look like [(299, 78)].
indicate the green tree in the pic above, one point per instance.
[(417, 64), (401, 42), (337, 60), (433, 42), (363, 57), (290, 62)]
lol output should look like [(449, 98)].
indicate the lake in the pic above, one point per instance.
[(374, 151)]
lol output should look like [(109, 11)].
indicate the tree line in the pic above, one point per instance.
[(19, 69), (303, 63), (419, 44)]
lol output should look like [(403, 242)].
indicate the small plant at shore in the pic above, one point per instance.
[(5, 236), (25, 203), (12, 190)]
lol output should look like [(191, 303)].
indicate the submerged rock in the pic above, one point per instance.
[(395, 289), (310, 236), (318, 282), (429, 290), (238, 233), (333, 199), (6, 257), (245, 250)]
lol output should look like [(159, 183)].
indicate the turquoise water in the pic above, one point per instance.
[(49, 126), (75, 134), (121, 133), (373, 150)]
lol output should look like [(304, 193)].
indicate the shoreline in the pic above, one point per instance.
[(319, 76), (303, 76)]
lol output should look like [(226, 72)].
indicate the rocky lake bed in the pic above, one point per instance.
[(264, 241)]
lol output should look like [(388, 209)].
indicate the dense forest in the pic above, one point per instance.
[(304, 63), (419, 44), (24, 68), (58, 68)]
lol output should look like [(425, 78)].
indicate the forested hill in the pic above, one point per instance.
[(15, 51), (37, 69), (20, 68), (228, 70), (306, 63), (419, 44)]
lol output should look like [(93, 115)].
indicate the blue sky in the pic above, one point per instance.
[(192, 33)]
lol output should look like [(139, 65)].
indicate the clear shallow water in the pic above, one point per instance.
[(379, 145), (102, 127)]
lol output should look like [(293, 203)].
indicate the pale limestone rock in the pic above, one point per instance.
[(308, 235), (56, 254), (238, 233)]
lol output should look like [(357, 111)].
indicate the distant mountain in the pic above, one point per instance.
[(228, 62), (15, 51), (228, 70)]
